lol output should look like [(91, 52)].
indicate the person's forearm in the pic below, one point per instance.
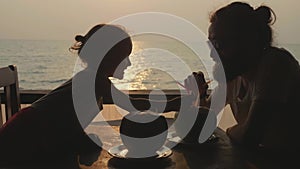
[(142, 104), (177, 103), (131, 104), (161, 106)]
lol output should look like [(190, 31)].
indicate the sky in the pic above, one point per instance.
[(63, 19)]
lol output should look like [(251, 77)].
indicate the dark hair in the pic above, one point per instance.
[(81, 40), (244, 21)]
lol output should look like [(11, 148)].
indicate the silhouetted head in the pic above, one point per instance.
[(110, 42), (240, 35)]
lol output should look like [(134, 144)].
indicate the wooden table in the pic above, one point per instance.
[(217, 155)]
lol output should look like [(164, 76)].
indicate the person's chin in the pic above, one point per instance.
[(218, 72), (230, 72), (120, 77)]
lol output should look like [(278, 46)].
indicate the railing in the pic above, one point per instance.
[(29, 96)]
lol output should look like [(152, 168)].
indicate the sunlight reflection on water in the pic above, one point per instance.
[(160, 65)]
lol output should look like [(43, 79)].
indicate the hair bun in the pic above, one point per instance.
[(264, 13), (80, 38)]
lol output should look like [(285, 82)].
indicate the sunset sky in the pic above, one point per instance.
[(62, 19)]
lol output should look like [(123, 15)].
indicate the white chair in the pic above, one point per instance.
[(10, 95)]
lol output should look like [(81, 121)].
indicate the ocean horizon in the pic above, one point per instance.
[(46, 64)]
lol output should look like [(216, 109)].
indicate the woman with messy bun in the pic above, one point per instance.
[(49, 129), (263, 81)]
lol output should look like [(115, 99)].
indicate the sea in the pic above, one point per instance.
[(155, 63)]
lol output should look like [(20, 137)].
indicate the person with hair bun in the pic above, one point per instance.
[(49, 128), (263, 81)]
